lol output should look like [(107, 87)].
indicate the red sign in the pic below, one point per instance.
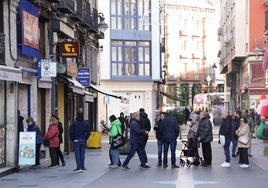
[(69, 49)]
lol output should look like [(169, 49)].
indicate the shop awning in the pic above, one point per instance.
[(171, 96), (105, 91), (88, 96), (76, 86), (10, 74)]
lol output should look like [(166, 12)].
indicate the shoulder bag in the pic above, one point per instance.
[(243, 139), (118, 141)]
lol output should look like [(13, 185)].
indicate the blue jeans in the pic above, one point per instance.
[(226, 148), (79, 151), (133, 149), (160, 145), (234, 143), (172, 143), (115, 156)]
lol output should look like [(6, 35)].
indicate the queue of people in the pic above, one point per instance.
[(234, 127)]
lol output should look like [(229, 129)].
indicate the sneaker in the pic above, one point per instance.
[(225, 164), (78, 170), (145, 166), (54, 166), (175, 166), (244, 166), (250, 155), (84, 169), (234, 155), (125, 167), (113, 166), (165, 166)]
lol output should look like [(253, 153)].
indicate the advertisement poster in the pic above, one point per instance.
[(27, 148), (30, 32)]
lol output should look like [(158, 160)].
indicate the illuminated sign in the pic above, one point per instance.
[(69, 49)]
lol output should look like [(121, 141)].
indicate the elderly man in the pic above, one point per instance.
[(136, 134)]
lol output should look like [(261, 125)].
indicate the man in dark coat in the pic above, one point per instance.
[(226, 130), (79, 133), (145, 125), (136, 133), (205, 136), (169, 128)]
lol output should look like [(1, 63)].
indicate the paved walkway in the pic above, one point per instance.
[(100, 175)]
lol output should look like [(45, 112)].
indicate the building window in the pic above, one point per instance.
[(130, 58), (130, 14)]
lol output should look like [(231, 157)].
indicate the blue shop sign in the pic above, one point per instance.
[(83, 76)]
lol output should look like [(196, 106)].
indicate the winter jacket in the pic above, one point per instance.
[(115, 129), (145, 125), (79, 131), (169, 128), (204, 130), (243, 130), (136, 132), (35, 128), (53, 136), (60, 131), (226, 128), (235, 126), (158, 134)]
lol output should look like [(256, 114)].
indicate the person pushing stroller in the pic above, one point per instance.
[(193, 141)]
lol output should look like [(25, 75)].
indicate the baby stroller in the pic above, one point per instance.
[(189, 154)]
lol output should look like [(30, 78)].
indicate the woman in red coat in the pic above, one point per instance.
[(54, 143)]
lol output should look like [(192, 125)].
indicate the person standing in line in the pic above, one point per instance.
[(159, 137), (145, 125), (243, 131), (135, 135), (33, 127), (169, 128), (114, 131), (226, 130), (79, 133), (54, 142), (205, 136), (235, 126), (60, 127)]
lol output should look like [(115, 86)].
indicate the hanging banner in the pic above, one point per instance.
[(27, 148)]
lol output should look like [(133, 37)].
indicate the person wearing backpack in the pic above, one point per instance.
[(114, 131)]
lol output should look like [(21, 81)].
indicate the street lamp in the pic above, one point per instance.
[(102, 24)]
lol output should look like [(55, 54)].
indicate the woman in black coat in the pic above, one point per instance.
[(205, 136)]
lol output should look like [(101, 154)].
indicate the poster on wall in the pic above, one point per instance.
[(27, 148)]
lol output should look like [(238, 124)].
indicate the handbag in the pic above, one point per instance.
[(243, 139), (222, 140), (118, 141), (46, 142)]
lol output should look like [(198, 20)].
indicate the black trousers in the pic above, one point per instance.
[(243, 155), (37, 154), (207, 153), (60, 155), (54, 156)]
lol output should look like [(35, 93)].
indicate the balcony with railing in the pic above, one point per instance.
[(86, 16), (77, 15), (66, 6), (95, 18)]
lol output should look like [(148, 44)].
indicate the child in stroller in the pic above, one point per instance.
[(190, 147)]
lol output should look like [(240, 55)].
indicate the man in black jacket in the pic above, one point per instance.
[(169, 128), (226, 130), (205, 136), (146, 126)]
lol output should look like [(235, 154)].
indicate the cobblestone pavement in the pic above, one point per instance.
[(100, 175)]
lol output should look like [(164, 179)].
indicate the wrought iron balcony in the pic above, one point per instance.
[(77, 15), (66, 6), (94, 21), (54, 1), (86, 16)]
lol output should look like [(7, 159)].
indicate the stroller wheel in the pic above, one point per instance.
[(182, 162), (188, 163)]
